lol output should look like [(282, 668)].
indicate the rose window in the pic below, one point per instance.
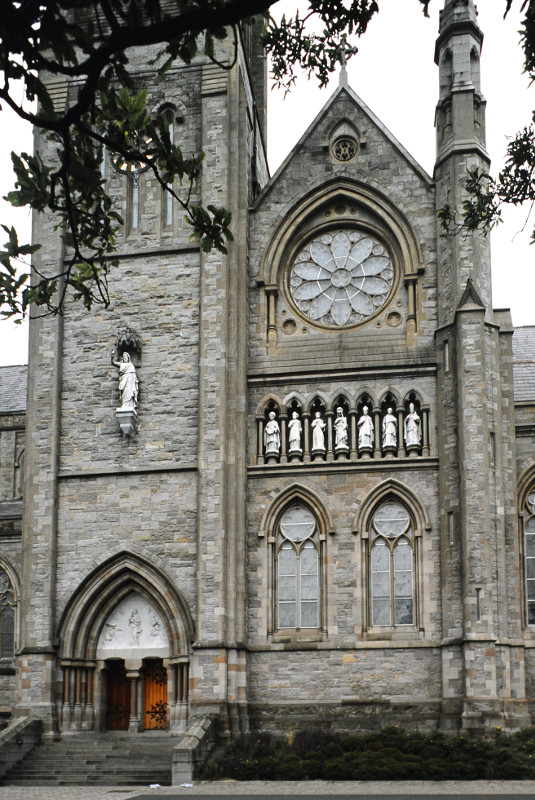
[(341, 278), (344, 149)]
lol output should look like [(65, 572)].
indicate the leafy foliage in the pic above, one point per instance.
[(515, 184), (89, 45), (389, 754)]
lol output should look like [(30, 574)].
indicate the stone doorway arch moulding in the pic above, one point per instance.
[(390, 222), (80, 705)]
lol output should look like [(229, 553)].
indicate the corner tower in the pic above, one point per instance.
[(460, 129), (482, 666)]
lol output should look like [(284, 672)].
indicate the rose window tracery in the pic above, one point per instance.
[(341, 278), (344, 149)]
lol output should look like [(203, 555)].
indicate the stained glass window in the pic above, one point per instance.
[(391, 566), (7, 616), (298, 570), (341, 278), (529, 555)]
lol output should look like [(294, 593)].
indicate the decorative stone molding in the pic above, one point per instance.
[(128, 340), (127, 419)]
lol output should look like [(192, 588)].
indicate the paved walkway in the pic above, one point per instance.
[(300, 789)]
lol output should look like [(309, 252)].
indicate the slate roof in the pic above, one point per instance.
[(524, 363), (13, 389)]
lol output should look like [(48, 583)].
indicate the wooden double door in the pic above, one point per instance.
[(150, 683)]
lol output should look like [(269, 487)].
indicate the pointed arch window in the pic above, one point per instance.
[(392, 566), (528, 519), (298, 570), (7, 616)]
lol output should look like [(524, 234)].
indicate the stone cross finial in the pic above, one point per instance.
[(343, 49)]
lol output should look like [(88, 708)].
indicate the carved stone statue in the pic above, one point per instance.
[(318, 436), (294, 433), (272, 435), (366, 429), (128, 382), (136, 628), (340, 429), (413, 428), (390, 430)]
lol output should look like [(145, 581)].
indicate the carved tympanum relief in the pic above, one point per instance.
[(341, 278), (134, 625)]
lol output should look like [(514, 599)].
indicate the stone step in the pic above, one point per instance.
[(97, 759)]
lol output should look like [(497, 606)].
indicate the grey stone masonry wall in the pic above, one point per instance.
[(167, 369), (12, 434), (152, 515)]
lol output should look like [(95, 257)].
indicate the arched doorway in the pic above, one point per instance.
[(134, 649), (124, 643)]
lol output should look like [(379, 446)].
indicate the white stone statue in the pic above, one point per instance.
[(340, 429), (366, 429), (136, 628), (318, 436), (390, 429), (294, 433), (413, 428), (272, 435), (128, 382)]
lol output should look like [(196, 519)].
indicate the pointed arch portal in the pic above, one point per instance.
[(124, 648)]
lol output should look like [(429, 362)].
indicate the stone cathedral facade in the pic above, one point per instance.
[(289, 486)]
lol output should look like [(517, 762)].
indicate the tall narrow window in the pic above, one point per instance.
[(169, 115), (529, 554), (7, 616), (392, 566), (134, 218), (298, 570), (168, 195)]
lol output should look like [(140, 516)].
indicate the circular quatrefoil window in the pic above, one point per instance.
[(341, 278)]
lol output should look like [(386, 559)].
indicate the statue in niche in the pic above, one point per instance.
[(272, 435), (128, 382), (318, 436), (390, 429), (340, 428), (294, 433), (136, 629), (413, 428), (366, 429)]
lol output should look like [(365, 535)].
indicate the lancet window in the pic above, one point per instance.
[(7, 616), (528, 519), (391, 566), (297, 570)]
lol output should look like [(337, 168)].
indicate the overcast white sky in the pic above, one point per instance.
[(394, 73)]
